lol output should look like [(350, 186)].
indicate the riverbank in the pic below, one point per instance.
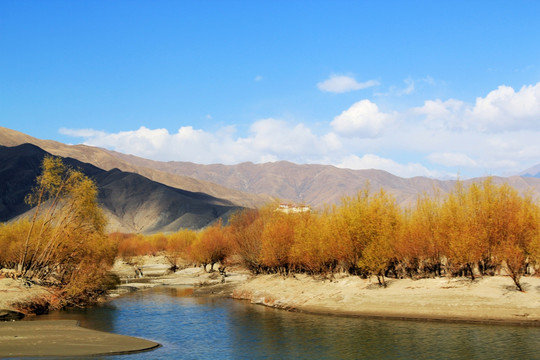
[(149, 271), (489, 300), (15, 297), (64, 338)]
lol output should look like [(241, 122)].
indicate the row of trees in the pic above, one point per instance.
[(480, 230), (206, 247), (483, 229)]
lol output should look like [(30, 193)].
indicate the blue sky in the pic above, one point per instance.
[(431, 88)]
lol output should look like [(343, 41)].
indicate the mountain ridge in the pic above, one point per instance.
[(131, 202), (106, 160)]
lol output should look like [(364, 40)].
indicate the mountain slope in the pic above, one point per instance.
[(108, 160), (316, 185), (132, 202)]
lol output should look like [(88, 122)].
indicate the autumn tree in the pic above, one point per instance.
[(64, 241), (421, 247), (382, 223), (277, 239), (211, 247), (314, 249), (460, 229), (518, 232), (245, 229), (177, 246)]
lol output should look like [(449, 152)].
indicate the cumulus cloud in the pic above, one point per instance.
[(342, 84), (502, 109), (371, 161), (363, 119), (449, 114)]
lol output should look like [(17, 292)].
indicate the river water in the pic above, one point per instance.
[(216, 328)]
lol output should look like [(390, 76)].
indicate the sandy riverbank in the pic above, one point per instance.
[(491, 299), (64, 338), (155, 272), (13, 292)]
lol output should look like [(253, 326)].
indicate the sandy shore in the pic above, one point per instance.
[(12, 292), (156, 273), (63, 338), (491, 299)]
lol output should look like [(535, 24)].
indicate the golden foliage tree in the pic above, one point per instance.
[(211, 247), (177, 246), (276, 241), (64, 242), (245, 229)]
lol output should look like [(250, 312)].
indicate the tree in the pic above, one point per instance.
[(211, 247), (277, 239), (420, 248), (245, 229), (518, 229), (461, 230), (382, 222), (313, 249), (177, 247), (66, 231)]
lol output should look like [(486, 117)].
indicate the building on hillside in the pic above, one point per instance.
[(293, 208)]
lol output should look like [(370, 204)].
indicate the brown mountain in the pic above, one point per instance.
[(314, 185), (109, 160), (131, 202)]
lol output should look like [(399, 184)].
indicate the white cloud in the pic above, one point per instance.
[(363, 119), (342, 83), (86, 133), (410, 86), (451, 159), (503, 109), (258, 78), (447, 114), (370, 161)]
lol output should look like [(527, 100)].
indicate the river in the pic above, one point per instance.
[(191, 327)]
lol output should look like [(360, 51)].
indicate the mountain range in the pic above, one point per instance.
[(251, 185)]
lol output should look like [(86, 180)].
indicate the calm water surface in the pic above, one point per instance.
[(209, 328)]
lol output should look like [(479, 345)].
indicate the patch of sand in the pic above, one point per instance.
[(14, 291), (491, 299), (63, 338), (156, 272)]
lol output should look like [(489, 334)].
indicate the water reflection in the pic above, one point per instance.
[(198, 327)]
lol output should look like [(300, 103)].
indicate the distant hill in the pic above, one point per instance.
[(108, 160), (131, 202)]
